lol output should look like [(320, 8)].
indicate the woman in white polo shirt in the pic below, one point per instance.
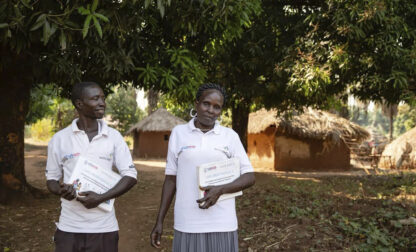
[(202, 225)]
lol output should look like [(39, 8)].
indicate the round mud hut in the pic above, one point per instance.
[(401, 153), (313, 140), (151, 135)]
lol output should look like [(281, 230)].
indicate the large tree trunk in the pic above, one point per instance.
[(390, 110), (152, 100), (240, 114), (391, 123), (14, 101)]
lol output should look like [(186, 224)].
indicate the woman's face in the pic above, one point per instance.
[(209, 107)]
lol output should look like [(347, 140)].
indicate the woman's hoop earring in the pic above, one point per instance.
[(190, 113)]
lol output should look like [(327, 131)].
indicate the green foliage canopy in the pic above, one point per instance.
[(405, 120), (366, 47), (150, 43)]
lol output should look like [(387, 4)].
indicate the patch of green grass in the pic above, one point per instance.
[(330, 213)]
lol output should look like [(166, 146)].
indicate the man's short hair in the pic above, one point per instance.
[(78, 90)]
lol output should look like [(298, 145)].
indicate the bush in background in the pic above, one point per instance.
[(41, 100), (122, 107), (64, 113), (41, 130), (129, 141)]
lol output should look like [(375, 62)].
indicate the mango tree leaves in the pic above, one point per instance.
[(114, 42), (371, 47)]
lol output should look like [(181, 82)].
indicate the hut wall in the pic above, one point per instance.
[(303, 155), (151, 144), (136, 137), (260, 149)]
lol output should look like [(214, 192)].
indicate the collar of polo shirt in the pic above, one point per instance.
[(216, 129), (102, 127)]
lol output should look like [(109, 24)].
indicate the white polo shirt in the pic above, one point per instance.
[(106, 149), (188, 148)]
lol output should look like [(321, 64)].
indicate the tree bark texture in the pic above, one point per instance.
[(152, 100), (240, 114), (14, 101), (391, 123)]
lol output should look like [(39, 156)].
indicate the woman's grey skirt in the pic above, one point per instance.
[(205, 242)]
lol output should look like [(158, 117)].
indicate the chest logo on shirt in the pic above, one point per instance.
[(69, 156), (225, 150), (109, 158), (185, 148), (188, 147)]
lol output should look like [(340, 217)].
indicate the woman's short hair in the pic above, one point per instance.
[(78, 89), (208, 86)]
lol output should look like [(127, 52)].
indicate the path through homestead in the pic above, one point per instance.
[(282, 212)]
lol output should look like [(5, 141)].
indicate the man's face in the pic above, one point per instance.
[(92, 103)]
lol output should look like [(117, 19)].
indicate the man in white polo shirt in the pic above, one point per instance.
[(82, 226)]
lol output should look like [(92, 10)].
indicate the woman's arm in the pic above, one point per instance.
[(214, 192), (168, 191)]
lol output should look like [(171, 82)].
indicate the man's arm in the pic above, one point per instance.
[(54, 173), (91, 199), (66, 191)]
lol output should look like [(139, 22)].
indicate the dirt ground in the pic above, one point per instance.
[(28, 224)]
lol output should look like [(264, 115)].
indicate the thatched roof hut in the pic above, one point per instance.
[(312, 140), (401, 153), (151, 135), (159, 120), (312, 124)]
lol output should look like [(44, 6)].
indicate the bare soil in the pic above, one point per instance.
[(28, 224), (266, 224)]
